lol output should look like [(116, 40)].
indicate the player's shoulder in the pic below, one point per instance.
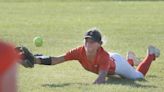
[(103, 56), (103, 52), (78, 49)]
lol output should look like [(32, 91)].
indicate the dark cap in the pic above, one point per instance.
[(94, 34)]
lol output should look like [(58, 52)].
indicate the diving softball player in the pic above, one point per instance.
[(94, 58)]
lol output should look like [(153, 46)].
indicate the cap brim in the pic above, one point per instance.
[(90, 38)]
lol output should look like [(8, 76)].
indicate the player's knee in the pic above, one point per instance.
[(136, 76)]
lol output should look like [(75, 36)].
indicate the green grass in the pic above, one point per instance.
[(126, 26)]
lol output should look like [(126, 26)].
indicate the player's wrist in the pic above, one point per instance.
[(37, 61), (46, 61), (41, 59)]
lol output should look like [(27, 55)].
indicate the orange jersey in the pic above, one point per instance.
[(102, 60)]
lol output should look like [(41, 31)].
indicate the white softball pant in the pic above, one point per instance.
[(124, 69)]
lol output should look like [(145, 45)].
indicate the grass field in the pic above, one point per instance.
[(126, 26)]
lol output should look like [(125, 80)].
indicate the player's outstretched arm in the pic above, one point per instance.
[(28, 59), (46, 60)]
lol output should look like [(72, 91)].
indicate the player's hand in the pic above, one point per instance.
[(27, 58), (101, 77)]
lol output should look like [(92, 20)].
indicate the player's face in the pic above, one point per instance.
[(91, 45)]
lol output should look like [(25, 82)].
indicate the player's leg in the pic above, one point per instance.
[(152, 54), (124, 69), (132, 59)]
